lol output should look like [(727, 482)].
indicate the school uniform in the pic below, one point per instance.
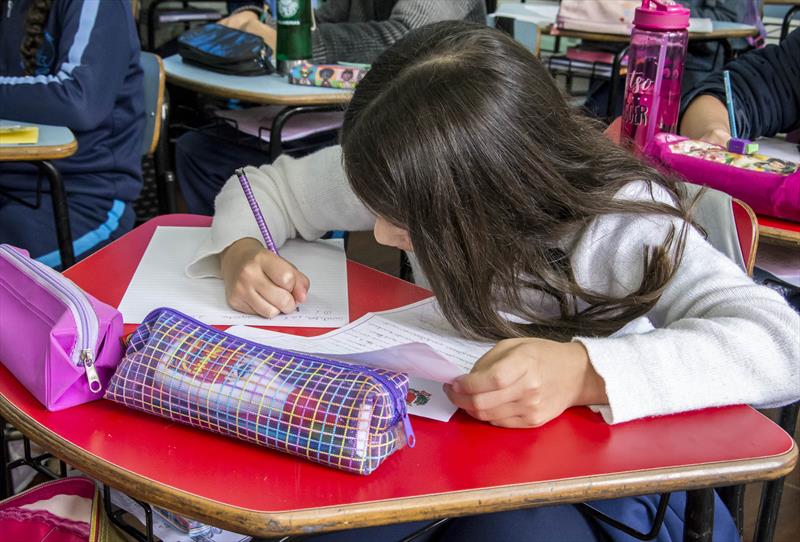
[(88, 79), (348, 31), (716, 338)]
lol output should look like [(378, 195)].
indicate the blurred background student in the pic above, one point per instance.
[(73, 63), (348, 31)]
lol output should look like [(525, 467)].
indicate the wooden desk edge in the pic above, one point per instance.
[(37, 152), (269, 524), (789, 236), (255, 97), (720, 34)]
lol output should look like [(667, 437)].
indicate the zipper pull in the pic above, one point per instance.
[(411, 440), (87, 357)]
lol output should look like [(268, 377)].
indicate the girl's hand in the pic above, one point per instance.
[(260, 282), (527, 383)]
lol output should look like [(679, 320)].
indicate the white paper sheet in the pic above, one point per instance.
[(415, 339), (160, 281)]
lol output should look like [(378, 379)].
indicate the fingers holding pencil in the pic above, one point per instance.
[(258, 281)]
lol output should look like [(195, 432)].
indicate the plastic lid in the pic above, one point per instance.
[(661, 15)]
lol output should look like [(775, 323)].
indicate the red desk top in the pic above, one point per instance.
[(456, 468)]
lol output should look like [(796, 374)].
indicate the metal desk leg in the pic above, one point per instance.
[(60, 212), (5, 473), (614, 82), (699, 515), (787, 21), (275, 144), (771, 494)]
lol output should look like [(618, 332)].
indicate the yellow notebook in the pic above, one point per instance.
[(19, 135)]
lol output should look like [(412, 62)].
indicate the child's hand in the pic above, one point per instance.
[(260, 282), (527, 383)]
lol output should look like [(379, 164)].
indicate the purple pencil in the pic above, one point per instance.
[(251, 200)]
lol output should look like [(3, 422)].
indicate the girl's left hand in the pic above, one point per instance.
[(527, 383)]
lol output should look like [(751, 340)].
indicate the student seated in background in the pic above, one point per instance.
[(766, 92), (458, 148), (348, 31), (702, 58), (73, 63)]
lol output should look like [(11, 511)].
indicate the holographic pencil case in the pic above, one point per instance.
[(341, 415)]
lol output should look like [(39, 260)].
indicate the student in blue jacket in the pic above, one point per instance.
[(72, 63)]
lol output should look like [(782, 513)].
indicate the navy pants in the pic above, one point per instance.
[(565, 523), (94, 222), (204, 160)]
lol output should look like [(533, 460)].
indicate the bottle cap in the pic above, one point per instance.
[(661, 15)]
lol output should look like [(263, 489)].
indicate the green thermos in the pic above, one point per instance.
[(295, 22)]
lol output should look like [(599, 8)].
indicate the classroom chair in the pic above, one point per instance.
[(159, 192)]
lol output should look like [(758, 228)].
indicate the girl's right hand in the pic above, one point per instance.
[(258, 281)]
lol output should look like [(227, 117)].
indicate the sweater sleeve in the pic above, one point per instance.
[(719, 338), (305, 196), (91, 69), (766, 89), (337, 40)]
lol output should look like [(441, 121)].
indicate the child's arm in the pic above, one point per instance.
[(307, 197), (91, 69), (766, 91), (303, 197), (720, 339), (337, 40)]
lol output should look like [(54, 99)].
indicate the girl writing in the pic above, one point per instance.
[(458, 147)]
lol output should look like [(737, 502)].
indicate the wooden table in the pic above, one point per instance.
[(264, 89), (456, 468), (55, 142)]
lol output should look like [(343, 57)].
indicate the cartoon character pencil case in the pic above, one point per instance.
[(344, 76), (769, 185), (341, 415), (58, 341)]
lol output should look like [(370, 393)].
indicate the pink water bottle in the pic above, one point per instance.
[(655, 67)]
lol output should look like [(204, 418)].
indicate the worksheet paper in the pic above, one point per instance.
[(161, 281), (415, 339)]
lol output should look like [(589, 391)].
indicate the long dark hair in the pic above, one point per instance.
[(459, 135), (35, 19)]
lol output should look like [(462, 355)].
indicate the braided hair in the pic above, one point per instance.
[(35, 20)]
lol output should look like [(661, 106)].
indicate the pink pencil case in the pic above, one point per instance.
[(769, 185), (58, 341)]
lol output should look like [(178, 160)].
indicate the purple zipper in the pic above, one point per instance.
[(400, 407), (86, 325)]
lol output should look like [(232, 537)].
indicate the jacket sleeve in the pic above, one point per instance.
[(303, 197), (766, 89), (719, 338), (338, 40), (89, 73)]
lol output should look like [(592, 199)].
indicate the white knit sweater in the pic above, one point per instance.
[(719, 338)]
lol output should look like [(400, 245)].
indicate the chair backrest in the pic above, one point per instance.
[(153, 100), (730, 225), (746, 231)]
